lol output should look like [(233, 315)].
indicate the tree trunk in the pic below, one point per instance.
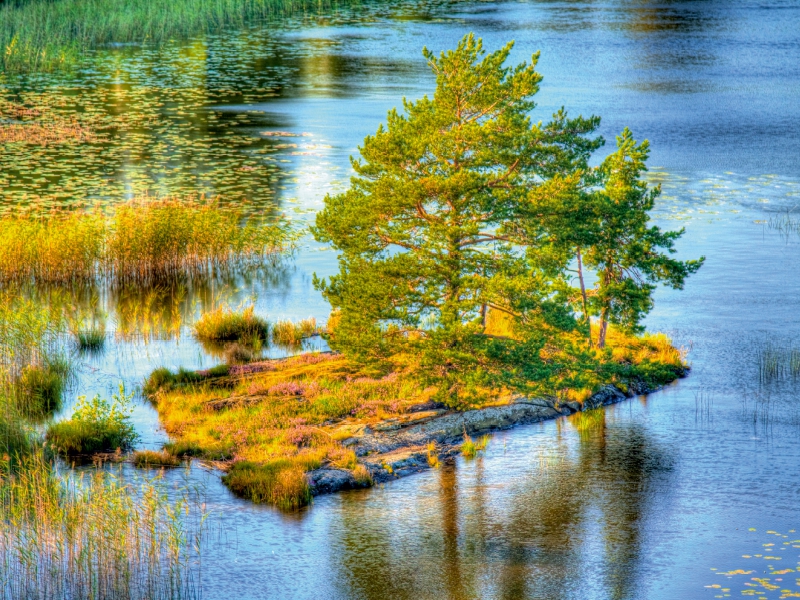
[(583, 295), (601, 341)]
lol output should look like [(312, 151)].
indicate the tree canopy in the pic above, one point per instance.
[(462, 207)]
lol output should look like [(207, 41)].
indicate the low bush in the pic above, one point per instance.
[(224, 324), (97, 425)]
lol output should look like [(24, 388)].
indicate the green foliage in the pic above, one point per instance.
[(97, 425), (39, 388), (628, 253), (462, 205)]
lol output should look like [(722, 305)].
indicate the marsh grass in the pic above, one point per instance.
[(776, 363), (281, 483), (96, 425), (71, 536), (42, 35), (142, 242), (34, 366), (153, 459), (468, 447), (288, 333), (92, 339), (226, 324)]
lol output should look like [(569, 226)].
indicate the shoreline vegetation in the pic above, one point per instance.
[(40, 35), (275, 426), (139, 242)]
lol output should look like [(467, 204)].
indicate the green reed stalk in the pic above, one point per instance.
[(40, 35), (69, 536)]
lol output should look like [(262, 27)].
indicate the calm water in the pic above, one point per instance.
[(658, 497)]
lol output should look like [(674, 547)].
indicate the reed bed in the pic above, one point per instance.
[(142, 242), (71, 536), (38, 35), (34, 366), (154, 459), (226, 324), (288, 333), (777, 364)]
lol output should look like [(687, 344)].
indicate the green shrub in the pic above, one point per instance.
[(96, 426), (224, 324)]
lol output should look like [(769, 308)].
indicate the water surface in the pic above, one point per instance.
[(653, 498)]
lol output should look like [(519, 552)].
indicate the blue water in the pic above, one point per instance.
[(662, 494)]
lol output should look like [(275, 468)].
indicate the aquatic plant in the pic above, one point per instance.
[(92, 339), (143, 241), (71, 536), (288, 333), (225, 323), (279, 482), (42, 35), (468, 447), (154, 459), (39, 388), (96, 425)]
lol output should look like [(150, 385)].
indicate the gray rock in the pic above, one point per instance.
[(329, 480)]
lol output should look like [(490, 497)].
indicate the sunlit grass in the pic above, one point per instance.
[(226, 324), (270, 424), (142, 241), (288, 333), (73, 536), (154, 459)]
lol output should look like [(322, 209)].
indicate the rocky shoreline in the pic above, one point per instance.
[(399, 447)]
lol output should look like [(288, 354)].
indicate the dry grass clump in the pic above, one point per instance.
[(70, 536), (142, 242), (288, 333), (274, 419), (226, 324), (154, 459), (652, 347)]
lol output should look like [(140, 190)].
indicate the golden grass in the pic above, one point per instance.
[(226, 324), (274, 419), (142, 241), (288, 333), (70, 536)]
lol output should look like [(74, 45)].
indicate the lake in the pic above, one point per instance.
[(660, 497)]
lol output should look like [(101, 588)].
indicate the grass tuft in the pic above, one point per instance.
[(144, 459), (225, 324), (281, 483)]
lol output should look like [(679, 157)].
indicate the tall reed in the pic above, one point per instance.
[(46, 35), (142, 241), (71, 536)]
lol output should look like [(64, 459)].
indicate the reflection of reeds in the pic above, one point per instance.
[(69, 537), (144, 241)]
